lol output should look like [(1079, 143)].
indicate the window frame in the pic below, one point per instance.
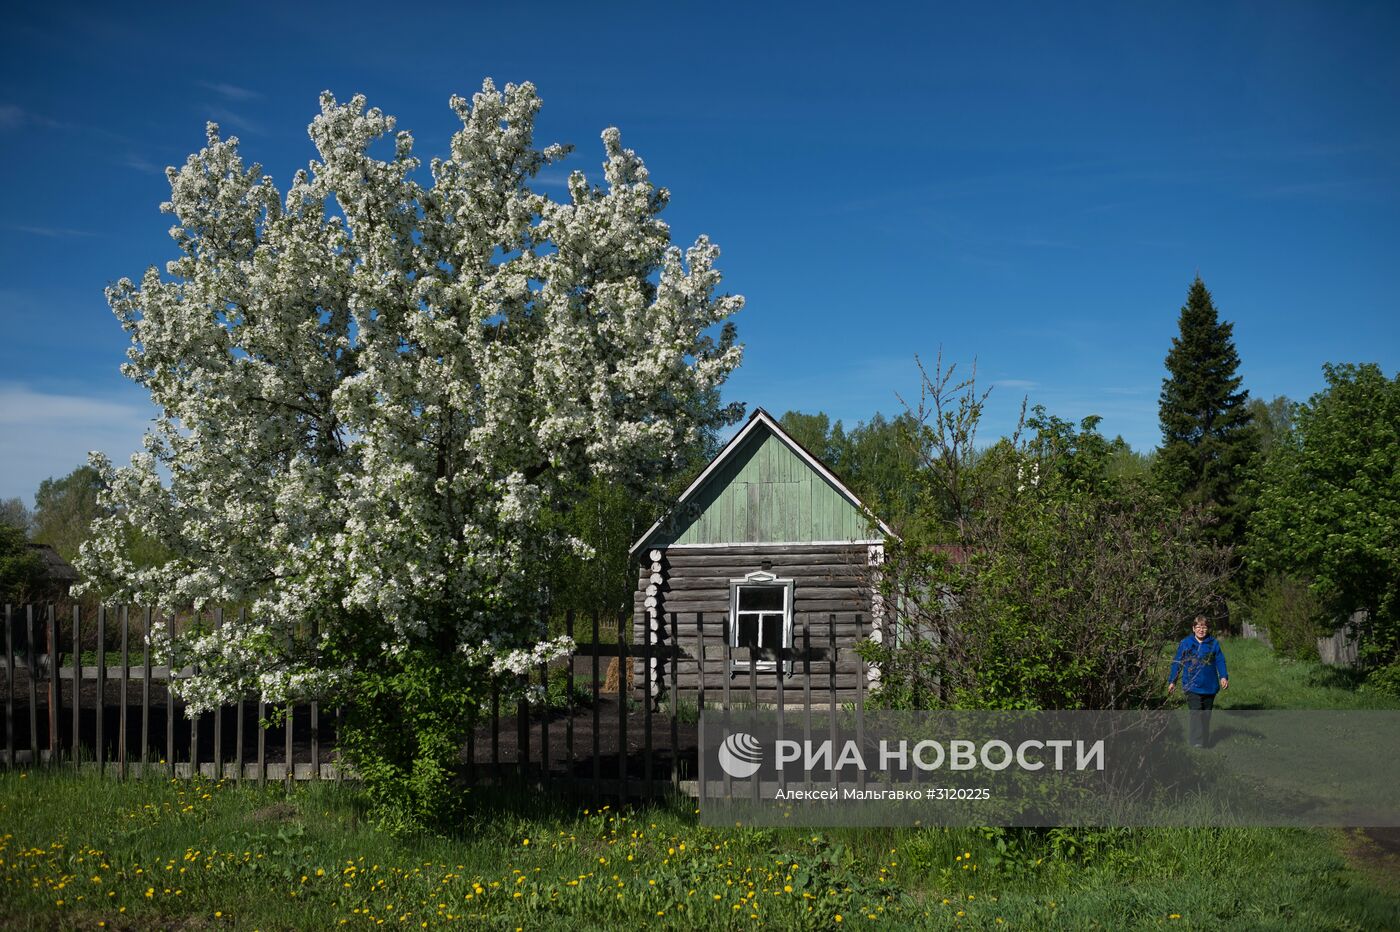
[(760, 579)]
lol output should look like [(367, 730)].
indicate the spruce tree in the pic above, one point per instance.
[(1208, 439)]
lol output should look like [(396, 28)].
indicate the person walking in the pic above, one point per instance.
[(1201, 664)]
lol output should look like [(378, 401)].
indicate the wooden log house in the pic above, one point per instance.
[(769, 553)]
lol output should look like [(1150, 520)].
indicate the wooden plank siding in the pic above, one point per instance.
[(831, 589), (764, 493)]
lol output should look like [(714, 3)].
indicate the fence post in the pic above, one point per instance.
[(77, 686), (622, 755), (780, 672), (647, 699), (522, 727), (597, 695), (496, 729), (30, 666), (675, 697), (125, 680), (55, 692), (569, 723), (238, 720), (315, 713), (9, 686), (289, 751), (146, 693), (725, 677), (807, 690), (860, 699), (831, 675), (170, 695), (219, 712), (101, 705)]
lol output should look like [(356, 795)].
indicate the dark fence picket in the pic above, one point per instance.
[(315, 712), (648, 699), (522, 726), (219, 712), (675, 695), (860, 702), (32, 667), (100, 705), (831, 675), (262, 741), (597, 710), (170, 694), (9, 687), (569, 722), (807, 689), (55, 693), (622, 690), (146, 691), (239, 726), (753, 705), (76, 745), (544, 724), (496, 730), (726, 704), (289, 744), (124, 679), (780, 674)]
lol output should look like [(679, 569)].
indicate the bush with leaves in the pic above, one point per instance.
[(1042, 579)]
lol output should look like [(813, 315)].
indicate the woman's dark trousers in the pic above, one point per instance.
[(1200, 705)]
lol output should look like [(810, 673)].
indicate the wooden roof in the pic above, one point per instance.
[(764, 487)]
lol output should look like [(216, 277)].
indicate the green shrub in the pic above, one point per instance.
[(1286, 609)]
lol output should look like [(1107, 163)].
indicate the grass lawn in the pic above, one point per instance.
[(79, 852)]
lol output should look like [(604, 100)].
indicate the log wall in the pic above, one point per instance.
[(688, 590)]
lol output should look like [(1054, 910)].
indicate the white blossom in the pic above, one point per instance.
[(373, 387)]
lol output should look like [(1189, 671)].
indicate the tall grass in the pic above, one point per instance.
[(77, 851)]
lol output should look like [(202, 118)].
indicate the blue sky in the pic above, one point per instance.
[(1031, 185)]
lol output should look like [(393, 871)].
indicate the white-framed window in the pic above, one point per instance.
[(760, 621)]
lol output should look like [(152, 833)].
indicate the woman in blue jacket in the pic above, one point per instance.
[(1201, 664)]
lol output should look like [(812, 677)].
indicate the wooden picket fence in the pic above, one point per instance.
[(636, 749)]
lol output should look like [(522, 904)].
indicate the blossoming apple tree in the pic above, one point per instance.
[(372, 388)]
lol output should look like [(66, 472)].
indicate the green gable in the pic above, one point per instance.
[(763, 491)]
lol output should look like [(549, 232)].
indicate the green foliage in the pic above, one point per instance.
[(1041, 577), (1207, 438), (406, 722), (557, 691), (1329, 504), (14, 514), (876, 459), (20, 567), (65, 508), (1287, 610)]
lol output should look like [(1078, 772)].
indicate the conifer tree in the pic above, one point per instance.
[(1208, 439)]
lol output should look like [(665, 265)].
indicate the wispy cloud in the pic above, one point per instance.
[(46, 434), (13, 116), (132, 160), (230, 91), (1015, 383), (50, 232), (226, 117)]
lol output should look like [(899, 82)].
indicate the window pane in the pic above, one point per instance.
[(748, 631), (772, 634), (761, 598)]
